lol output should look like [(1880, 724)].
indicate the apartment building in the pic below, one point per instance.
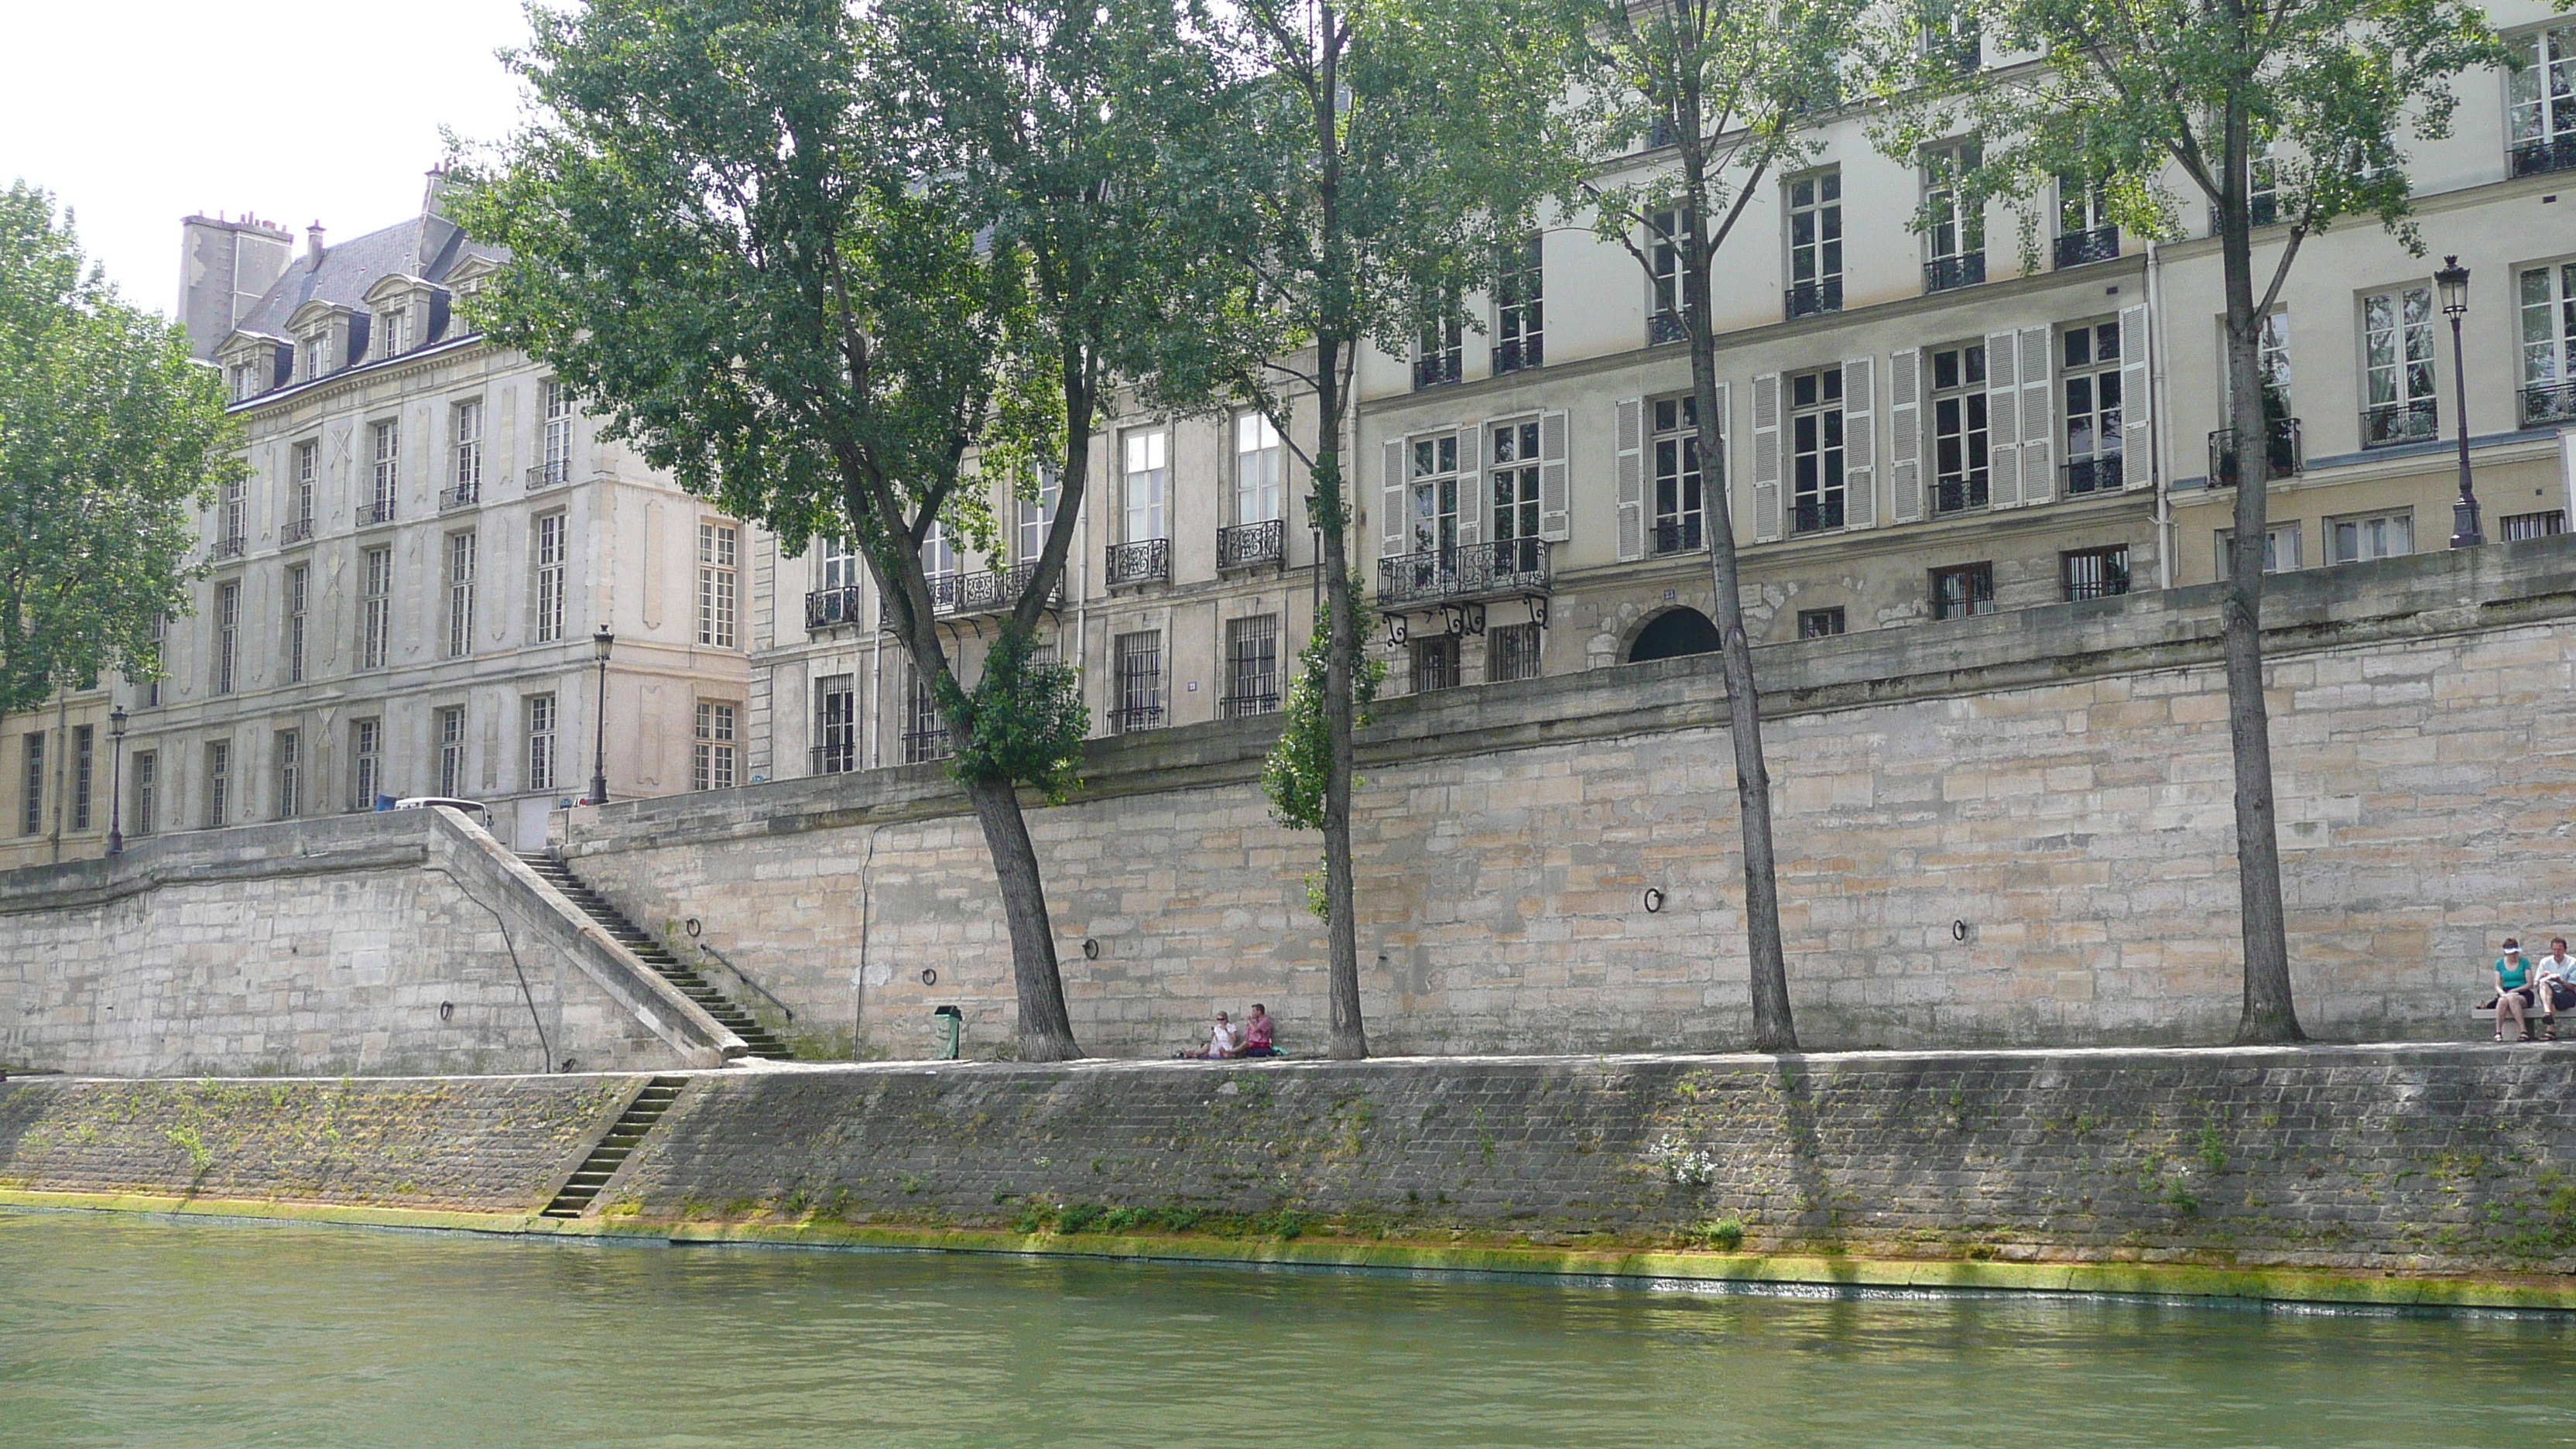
[(404, 592), (1921, 422)]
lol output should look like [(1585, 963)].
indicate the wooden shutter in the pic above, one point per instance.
[(1766, 458), (1555, 504), (2038, 416), (1390, 503), (2003, 421), (1632, 478), (1473, 499), (1860, 445), (2137, 445), (1905, 433)]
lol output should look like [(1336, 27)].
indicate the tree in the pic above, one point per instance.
[(2312, 99), (1731, 86), (847, 272), (1383, 153), (110, 436)]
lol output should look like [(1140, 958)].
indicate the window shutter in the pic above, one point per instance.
[(1473, 495), (1860, 445), (1632, 478), (1555, 504), (1390, 503), (2137, 446), (1905, 432), (2003, 421), (1766, 458), (2038, 451)]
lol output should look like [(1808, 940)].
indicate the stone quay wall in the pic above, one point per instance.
[(401, 942), (2008, 830)]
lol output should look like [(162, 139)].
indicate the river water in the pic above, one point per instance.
[(126, 1331)]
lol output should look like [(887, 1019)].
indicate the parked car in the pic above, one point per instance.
[(474, 810)]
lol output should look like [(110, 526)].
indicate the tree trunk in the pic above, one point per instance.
[(1349, 1040), (1046, 1031), (2269, 1015)]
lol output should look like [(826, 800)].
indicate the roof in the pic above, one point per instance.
[(426, 246)]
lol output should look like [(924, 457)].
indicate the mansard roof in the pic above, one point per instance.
[(427, 246)]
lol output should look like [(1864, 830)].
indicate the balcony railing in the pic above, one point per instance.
[(463, 495), (1437, 369), (1146, 561), (1811, 299), (1132, 718), (373, 514), (547, 475), (2549, 406), (837, 758), (2282, 454), (1943, 274), (989, 592), (832, 608), (1665, 327), (1514, 566), (232, 546), (2532, 158), (1513, 354), (2095, 475), (922, 746), (2389, 424), (295, 531), (2099, 244), (1248, 545), (1679, 535), (1243, 706)]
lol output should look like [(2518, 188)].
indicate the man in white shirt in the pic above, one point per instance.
[(2557, 981)]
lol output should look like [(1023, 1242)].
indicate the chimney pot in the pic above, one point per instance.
[(313, 239)]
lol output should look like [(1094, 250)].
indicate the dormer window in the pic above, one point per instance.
[(245, 381), (316, 354), (393, 332)]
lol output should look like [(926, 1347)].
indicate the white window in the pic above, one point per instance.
[(1961, 461), (840, 564), (2398, 401), (1664, 258), (366, 763), (1680, 526), (236, 516), (2377, 535), (938, 554), (1520, 309), (219, 783), (1816, 448), (2089, 368), (317, 355), (376, 623), (550, 553), (465, 471), (1435, 495), (299, 601), (147, 791), (2281, 551), (460, 595), (1440, 348), (2549, 345), (287, 750), (394, 333), (388, 471), (2543, 102), (1037, 515), (836, 725), (556, 445), (1148, 480), (308, 476), (716, 584), (1514, 454), (712, 756), (451, 751), (1816, 244), (1955, 226), (541, 741), (1260, 466), (245, 381), (227, 636)]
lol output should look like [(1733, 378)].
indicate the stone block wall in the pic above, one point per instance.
[(2005, 830)]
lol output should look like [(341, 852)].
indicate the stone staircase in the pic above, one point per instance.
[(760, 1040), (610, 1154)]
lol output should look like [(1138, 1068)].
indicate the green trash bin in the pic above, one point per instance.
[(947, 1023)]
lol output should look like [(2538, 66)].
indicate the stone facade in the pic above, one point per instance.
[(2011, 829)]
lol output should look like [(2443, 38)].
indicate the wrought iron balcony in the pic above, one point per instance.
[(2077, 248), (1513, 354), (230, 546), (923, 746), (1943, 274), (547, 475), (371, 515), (2095, 475), (1814, 299), (992, 591), (2533, 158), (463, 495), (1679, 535), (1514, 566), (1132, 718), (1665, 327), (295, 531), (2282, 455), (832, 608), (839, 757), (1146, 561), (1243, 706), (2389, 424), (1437, 369), (1249, 545), (2549, 406)]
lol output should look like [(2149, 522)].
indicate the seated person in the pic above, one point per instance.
[(1221, 1043), (2516, 996), (1257, 1029), (2557, 984)]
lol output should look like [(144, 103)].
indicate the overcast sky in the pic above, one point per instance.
[(135, 114)]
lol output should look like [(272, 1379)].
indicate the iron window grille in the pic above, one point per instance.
[(1251, 667), (1138, 669), (2096, 573), (1958, 593), (1820, 623), (1435, 663), (1512, 652)]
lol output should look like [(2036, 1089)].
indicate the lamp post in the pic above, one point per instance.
[(600, 644), (2453, 279), (116, 777)]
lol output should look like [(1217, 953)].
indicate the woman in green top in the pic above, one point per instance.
[(2513, 989)]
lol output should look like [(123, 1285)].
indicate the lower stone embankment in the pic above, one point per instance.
[(2357, 1160)]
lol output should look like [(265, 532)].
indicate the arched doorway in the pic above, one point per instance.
[(1672, 634)]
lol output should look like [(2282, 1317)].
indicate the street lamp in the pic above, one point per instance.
[(600, 644), (116, 786), (2453, 279)]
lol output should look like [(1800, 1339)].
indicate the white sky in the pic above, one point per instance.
[(135, 113)]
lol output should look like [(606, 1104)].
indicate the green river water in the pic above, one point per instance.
[(126, 1331)]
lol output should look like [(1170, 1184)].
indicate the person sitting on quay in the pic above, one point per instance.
[(1258, 1030), (1221, 1043), (2557, 985), (2515, 994)]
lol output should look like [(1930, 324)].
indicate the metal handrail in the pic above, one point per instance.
[(2415, 421), (547, 475), (1512, 566), (1147, 560), (371, 514), (1245, 545), (2096, 244)]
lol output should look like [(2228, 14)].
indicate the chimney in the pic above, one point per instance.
[(224, 269), (433, 194), (313, 240)]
